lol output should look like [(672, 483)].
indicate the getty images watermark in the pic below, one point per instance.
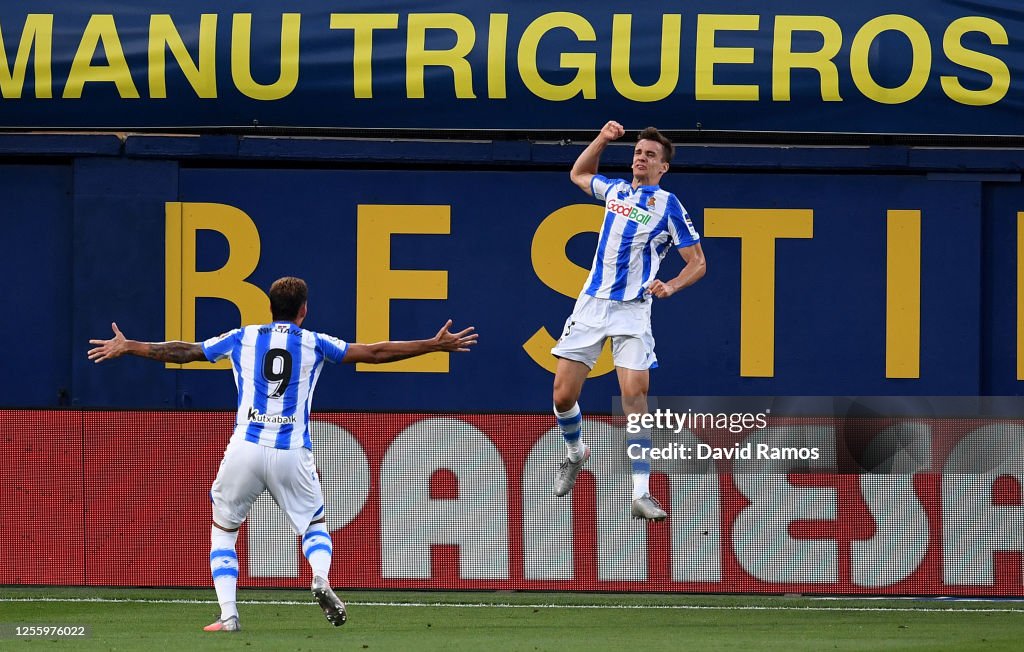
[(840, 434), (669, 420)]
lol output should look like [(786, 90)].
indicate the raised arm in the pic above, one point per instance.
[(392, 351), (585, 167), (177, 352)]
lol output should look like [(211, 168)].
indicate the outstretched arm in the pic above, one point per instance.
[(178, 352), (392, 351), (585, 167), (692, 272)]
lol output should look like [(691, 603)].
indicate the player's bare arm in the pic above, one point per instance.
[(176, 351), (692, 272), (585, 167), (380, 352)]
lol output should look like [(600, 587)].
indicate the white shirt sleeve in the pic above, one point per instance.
[(680, 226), (601, 185)]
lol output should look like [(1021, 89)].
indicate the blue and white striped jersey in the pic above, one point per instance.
[(276, 367), (639, 227)]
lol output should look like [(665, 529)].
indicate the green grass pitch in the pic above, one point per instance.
[(171, 621)]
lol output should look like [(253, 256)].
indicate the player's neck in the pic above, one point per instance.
[(645, 182)]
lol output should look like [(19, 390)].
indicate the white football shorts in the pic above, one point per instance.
[(593, 320), (248, 469)]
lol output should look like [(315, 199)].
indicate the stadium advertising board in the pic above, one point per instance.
[(926, 66), (842, 284), (463, 502)]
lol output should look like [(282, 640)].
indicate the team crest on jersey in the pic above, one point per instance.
[(651, 202)]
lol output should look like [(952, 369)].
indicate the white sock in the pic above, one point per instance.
[(571, 424), (641, 484), (224, 568), (317, 548), (641, 467)]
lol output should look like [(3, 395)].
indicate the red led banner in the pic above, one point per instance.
[(464, 501)]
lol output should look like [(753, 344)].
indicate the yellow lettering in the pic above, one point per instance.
[(497, 51), (101, 28), (418, 57), (669, 76), (993, 67), (185, 284), (784, 60), (556, 271), (241, 64), (903, 295), (585, 81), (362, 26), (37, 32), (164, 35), (758, 229), (709, 55), (921, 62), (377, 284)]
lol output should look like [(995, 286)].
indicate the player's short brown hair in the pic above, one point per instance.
[(287, 295), (651, 133)]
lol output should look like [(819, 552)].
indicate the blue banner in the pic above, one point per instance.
[(816, 284), (926, 66)]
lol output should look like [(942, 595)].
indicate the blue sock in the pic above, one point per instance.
[(571, 424), (317, 548), (224, 568)]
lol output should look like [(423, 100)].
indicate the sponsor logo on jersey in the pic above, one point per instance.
[(255, 416), (633, 213), (280, 328)]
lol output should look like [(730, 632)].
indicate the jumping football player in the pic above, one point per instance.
[(641, 223)]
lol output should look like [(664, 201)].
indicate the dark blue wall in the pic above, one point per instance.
[(86, 246), (36, 209)]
